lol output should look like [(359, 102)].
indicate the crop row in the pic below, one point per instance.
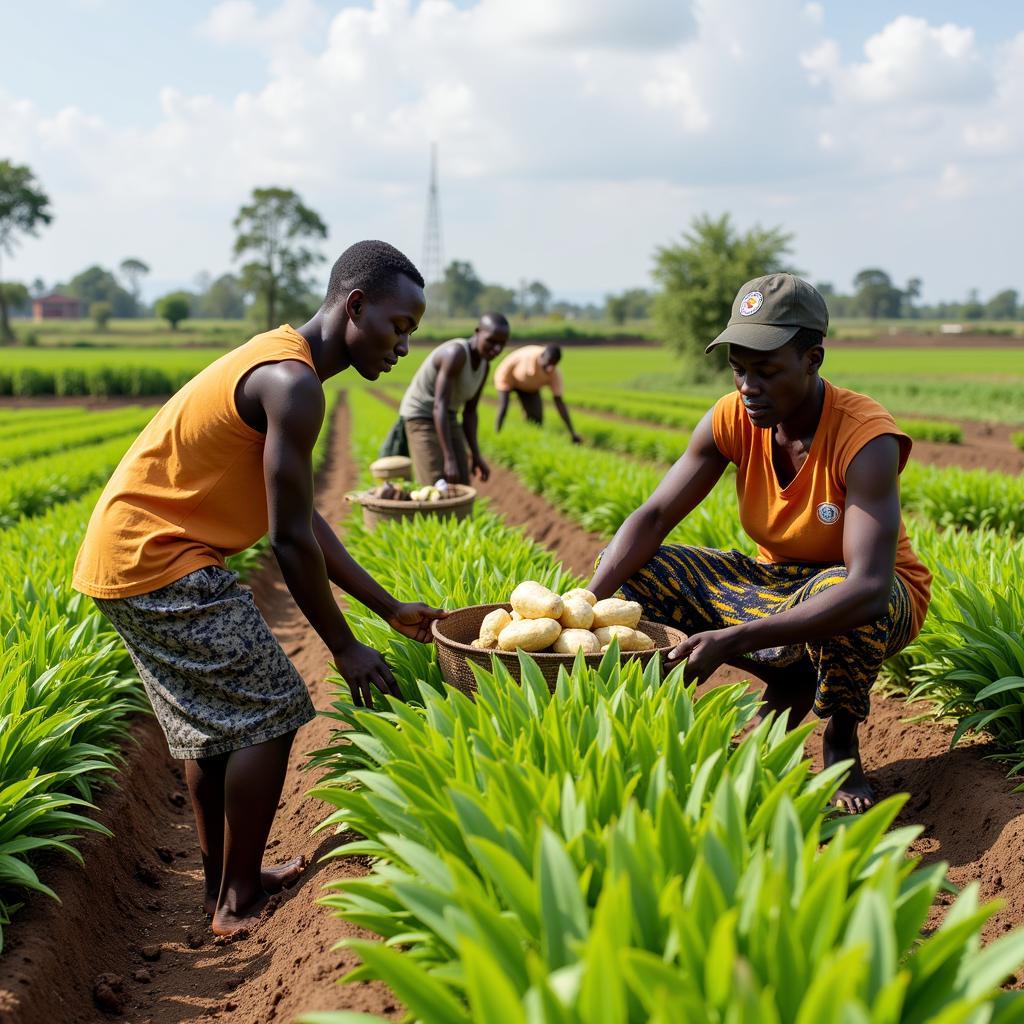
[(64, 436), (67, 687), (615, 852), (686, 411)]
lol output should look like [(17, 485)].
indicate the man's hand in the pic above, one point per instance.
[(451, 470), (576, 439), (480, 468), (704, 652), (363, 668), (413, 620)]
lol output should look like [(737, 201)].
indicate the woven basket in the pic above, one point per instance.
[(453, 636), (386, 510)]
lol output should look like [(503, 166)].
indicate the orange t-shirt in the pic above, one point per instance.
[(190, 490), (803, 522)]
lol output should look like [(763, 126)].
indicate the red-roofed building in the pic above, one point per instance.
[(56, 307)]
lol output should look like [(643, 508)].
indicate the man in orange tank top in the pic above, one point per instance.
[(836, 587), (227, 460)]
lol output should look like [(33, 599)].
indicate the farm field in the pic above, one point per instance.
[(606, 852)]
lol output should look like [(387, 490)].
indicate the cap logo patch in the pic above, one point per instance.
[(751, 303), (828, 513)]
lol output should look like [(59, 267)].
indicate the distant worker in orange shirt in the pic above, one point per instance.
[(525, 371)]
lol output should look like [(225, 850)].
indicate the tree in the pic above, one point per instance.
[(540, 297), (462, 289), (173, 308), (972, 308), (38, 288), (96, 284), (223, 299), (875, 296), (100, 313), (632, 304), (1002, 305), (273, 228), (23, 207), (134, 270), (699, 278), (911, 293), (495, 298)]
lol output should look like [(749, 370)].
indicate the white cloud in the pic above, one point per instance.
[(568, 121), (909, 61)]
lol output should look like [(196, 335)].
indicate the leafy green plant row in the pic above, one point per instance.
[(104, 379), (686, 410), (964, 498), (1018, 439), (67, 692), (67, 435), (18, 422), (614, 852), (35, 486)]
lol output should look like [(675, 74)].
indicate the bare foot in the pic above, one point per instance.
[(227, 922), (273, 880), (855, 795)]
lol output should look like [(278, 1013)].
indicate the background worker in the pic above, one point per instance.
[(451, 379), (836, 587), (525, 372)]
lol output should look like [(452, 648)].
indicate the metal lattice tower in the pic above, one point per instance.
[(433, 257)]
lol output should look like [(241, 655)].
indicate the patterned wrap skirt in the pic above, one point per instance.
[(214, 673), (697, 589)]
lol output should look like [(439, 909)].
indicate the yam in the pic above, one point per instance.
[(629, 639), (644, 642), (534, 601), (482, 644), (529, 634), (576, 613), (494, 622), (613, 611), (516, 617), (572, 640), (580, 592)]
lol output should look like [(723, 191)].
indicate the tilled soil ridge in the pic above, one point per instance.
[(131, 942)]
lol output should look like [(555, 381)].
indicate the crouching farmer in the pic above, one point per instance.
[(836, 587), (225, 461)]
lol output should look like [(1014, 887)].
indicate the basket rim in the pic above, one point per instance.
[(541, 656), (367, 500)]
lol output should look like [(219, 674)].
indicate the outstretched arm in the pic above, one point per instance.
[(412, 618), (563, 411), (470, 421), (681, 490), (870, 534), (292, 398), (502, 410)]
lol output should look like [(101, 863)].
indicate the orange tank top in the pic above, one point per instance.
[(190, 490), (803, 521)]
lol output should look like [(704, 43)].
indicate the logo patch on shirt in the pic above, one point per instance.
[(828, 513), (751, 303)]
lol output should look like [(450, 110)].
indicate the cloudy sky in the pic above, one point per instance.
[(575, 135)]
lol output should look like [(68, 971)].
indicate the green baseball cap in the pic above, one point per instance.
[(769, 310)]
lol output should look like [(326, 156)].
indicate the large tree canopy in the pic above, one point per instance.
[(274, 229), (24, 206), (699, 279)]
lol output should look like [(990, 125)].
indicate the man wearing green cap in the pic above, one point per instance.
[(835, 587)]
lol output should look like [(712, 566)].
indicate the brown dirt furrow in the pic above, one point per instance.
[(131, 932)]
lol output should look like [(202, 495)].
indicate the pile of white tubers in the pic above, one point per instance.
[(542, 620)]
